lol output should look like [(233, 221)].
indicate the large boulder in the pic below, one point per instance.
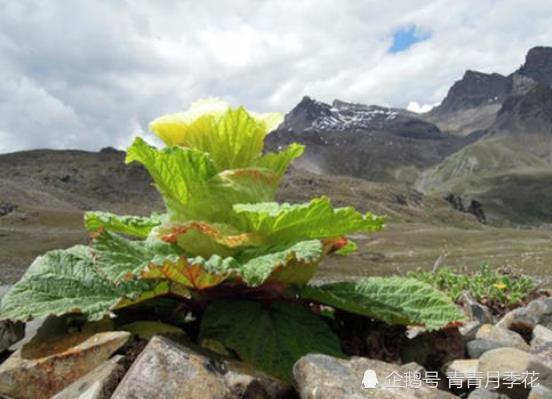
[(168, 369)]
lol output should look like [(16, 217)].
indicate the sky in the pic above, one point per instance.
[(90, 74)]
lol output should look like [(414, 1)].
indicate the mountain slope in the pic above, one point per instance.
[(473, 102), (370, 142)]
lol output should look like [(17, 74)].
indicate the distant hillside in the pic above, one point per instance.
[(370, 142), (472, 103)]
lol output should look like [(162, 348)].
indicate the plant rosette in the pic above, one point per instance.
[(224, 243)]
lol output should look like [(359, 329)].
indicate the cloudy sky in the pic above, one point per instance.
[(89, 74)]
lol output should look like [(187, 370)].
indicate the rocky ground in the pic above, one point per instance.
[(488, 357)]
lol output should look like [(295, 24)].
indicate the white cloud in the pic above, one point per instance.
[(419, 109), (89, 74)]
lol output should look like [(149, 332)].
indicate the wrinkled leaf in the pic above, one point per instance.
[(119, 258), (395, 300), (270, 337), (315, 219), (135, 226), (66, 281)]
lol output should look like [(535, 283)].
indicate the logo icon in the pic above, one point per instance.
[(370, 379)]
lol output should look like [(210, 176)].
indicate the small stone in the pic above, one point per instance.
[(475, 310), (46, 365), (325, 377), (540, 392), (512, 360), (167, 369), (491, 337), (542, 336), (98, 384), (469, 330), (477, 347), (481, 393)]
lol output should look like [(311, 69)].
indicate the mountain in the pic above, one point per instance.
[(367, 141), (472, 103), (509, 169), (538, 65)]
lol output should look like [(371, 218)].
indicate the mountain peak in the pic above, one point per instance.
[(538, 65), (475, 89)]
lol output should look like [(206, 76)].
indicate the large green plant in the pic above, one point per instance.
[(225, 245)]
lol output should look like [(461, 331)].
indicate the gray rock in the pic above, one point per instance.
[(98, 384), (524, 319), (469, 330), (46, 365), (324, 377), (477, 347), (540, 392), (474, 310), (490, 337), (462, 366), (460, 370), (542, 336), (481, 393), (167, 369), (511, 360)]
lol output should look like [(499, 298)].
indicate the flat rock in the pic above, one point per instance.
[(324, 377), (511, 360), (46, 365), (168, 369), (98, 384)]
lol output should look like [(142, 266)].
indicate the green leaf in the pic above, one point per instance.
[(180, 175), (232, 137), (278, 162), (294, 263), (395, 300), (119, 258), (315, 219), (193, 189), (270, 337), (135, 226), (66, 281), (291, 263)]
